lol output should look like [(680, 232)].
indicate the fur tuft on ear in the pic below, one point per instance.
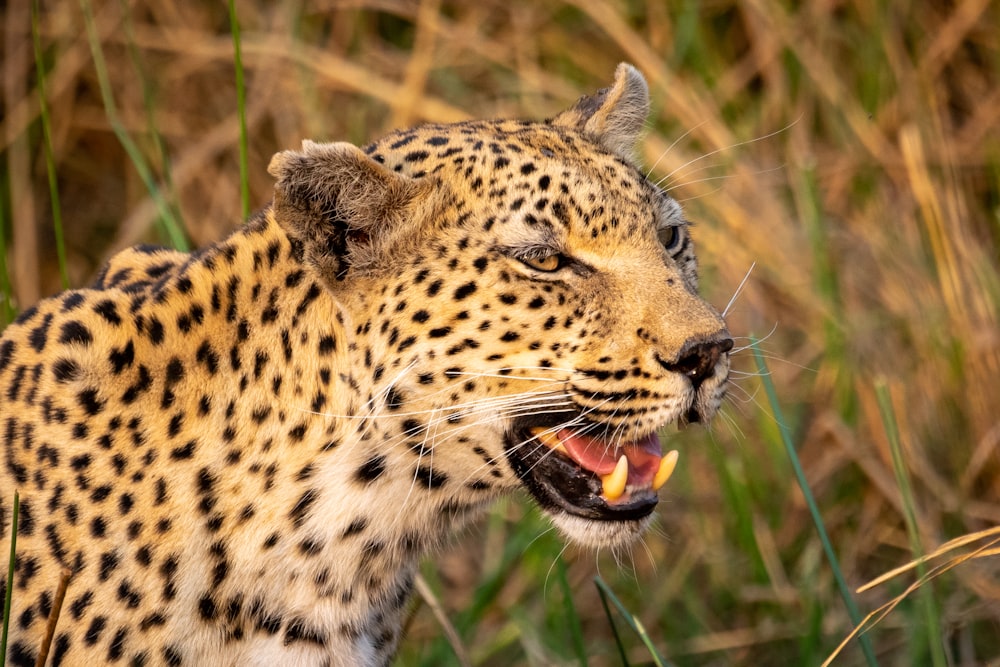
[(613, 117), (340, 204)]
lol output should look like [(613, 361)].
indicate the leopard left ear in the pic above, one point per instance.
[(344, 207), (614, 117)]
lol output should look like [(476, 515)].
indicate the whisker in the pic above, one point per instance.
[(668, 187), (555, 369), (411, 413), (684, 183), (730, 147), (684, 200), (739, 290), (733, 425), (679, 139), (548, 573), (431, 427)]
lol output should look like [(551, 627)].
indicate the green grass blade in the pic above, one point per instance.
[(570, 614), (800, 476), (171, 227), (50, 162), (10, 577), (891, 427), (150, 106), (611, 621), (633, 622), (7, 310), (241, 105)]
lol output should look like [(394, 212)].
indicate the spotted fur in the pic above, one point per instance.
[(241, 454)]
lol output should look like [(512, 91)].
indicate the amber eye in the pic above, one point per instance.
[(669, 236), (547, 263)]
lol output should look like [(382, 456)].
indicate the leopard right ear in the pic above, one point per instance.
[(342, 205), (613, 117)]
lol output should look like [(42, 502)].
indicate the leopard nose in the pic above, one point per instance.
[(698, 357)]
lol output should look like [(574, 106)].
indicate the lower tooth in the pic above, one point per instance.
[(666, 469), (614, 482)]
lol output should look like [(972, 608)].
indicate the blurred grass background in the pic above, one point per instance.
[(848, 150)]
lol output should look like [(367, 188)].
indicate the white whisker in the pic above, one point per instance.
[(679, 139), (739, 290), (727, 148)]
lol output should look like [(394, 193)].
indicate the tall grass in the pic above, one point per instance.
[(931, 617), (50, 166), (849, 151), (814, 511)]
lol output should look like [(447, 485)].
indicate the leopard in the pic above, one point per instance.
[(240, 455)]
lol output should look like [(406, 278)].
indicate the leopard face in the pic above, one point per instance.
[(238, 456), (544, 312)]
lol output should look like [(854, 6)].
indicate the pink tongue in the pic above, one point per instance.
[(600, 457)]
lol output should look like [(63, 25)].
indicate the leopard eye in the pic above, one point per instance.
[(669, 237), (547, 263)]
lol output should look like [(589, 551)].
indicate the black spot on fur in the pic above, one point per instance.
[(155, 619), (108, 311), (465, 290), (89, 401), (75, 331), (72, 301), (60, 648), (141, 385), (184, 452), (117, 645), (172, 656), (79, 606), (394, 399), (93, 634), (430, 478), (371, 470), (208, 357), (122, 358), (301, 508), (109, 562), (355, 527), (327, 344), (6, 353), (65, 370), (298, 631), (39, 336), (206, 608), (155, 331)]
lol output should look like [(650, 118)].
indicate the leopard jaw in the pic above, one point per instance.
[(613, 483)]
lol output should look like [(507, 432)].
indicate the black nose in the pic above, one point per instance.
[(698, 357)]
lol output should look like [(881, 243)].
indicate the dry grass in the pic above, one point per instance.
[(848, 150)]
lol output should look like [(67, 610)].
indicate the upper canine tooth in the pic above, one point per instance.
[(614, 482), (548, 438), (666, 469)]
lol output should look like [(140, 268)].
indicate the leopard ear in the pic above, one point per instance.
[(613, 117), (340, 204)]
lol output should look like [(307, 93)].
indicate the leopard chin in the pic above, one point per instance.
[(600, 534)]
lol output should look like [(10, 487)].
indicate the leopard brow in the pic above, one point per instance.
[(669, 213), (531, 250)]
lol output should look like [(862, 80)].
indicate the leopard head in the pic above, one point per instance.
[(522, 301)]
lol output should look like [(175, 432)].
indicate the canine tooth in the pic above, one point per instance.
[(614, 482), (666, 469), (548, 438)]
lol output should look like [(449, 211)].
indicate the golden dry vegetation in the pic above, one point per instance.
[(846, 150)]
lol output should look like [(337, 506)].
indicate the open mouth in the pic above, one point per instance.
[(586, 476)]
